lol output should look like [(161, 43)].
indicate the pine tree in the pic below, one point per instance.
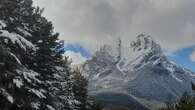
[(80, 90), (13, 47), (186, 102), (16, 13), (18, 16), (46, 58), (34, 75)]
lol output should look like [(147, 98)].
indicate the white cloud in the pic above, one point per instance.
[(76, 58), (169, 54), (192, 56), (94, 22)]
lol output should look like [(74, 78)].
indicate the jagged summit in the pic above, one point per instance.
[(104, 50), (104, 54), (144, 50), (145, 74), (145, 43)]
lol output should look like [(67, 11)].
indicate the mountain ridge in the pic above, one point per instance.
[(147, 74)]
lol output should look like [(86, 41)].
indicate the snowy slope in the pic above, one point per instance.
[(145, 74)]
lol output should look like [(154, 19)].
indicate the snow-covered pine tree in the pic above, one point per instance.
[(80, 90), (47, 61), (20, 86), (16, 13), (33, 74)]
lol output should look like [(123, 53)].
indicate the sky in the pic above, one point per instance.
[(184, 57), (92, 23), (76, 53)]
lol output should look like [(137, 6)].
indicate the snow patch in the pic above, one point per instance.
[(2, 24), (18, 82), (40, 41), (119, 68), (50, 107), (7, 95), (172, 74), (38, 93), (35, 105), (17, 60), (58, 68), (29, 75), (24, 32), (156, 61), (17, 39), (10, 98)]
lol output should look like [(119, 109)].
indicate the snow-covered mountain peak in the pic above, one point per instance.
[(105, 53), (144, 50), (145, 43), (144, 74)]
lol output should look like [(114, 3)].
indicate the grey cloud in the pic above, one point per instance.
[(95, 22)]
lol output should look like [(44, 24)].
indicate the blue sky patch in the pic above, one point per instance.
[(77, 49), (182, 57)]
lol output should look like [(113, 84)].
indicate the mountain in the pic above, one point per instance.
[(145, 75)]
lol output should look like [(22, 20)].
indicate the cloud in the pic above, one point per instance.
[(95, 22), (76, 58), (169, 54), (192, 56)]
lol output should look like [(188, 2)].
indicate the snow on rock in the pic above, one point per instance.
[(7, 95), (119, 68), (145, 43), (177, 79), (17, 39), (172, 70)]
